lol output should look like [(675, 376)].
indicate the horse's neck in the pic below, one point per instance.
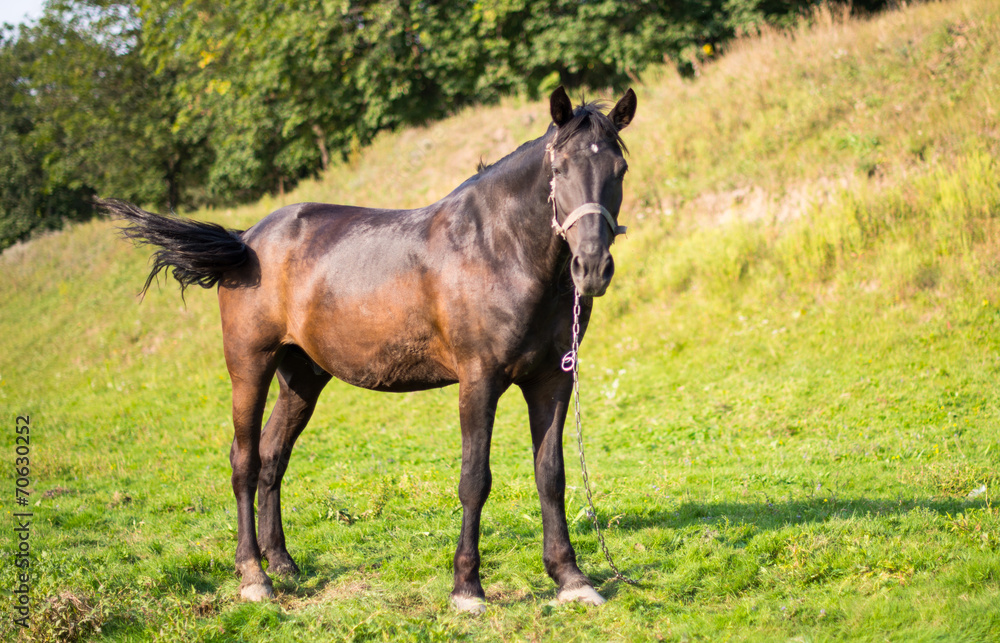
[(523, 216)]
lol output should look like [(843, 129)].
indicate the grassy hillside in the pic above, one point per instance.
[(789, 390)]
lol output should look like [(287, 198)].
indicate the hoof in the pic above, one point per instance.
[(585, 594), (256, 592), (284, 570), (469, 604)]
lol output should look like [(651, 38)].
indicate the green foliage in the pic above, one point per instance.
[(184, 103), (85, 115), (27, 199)]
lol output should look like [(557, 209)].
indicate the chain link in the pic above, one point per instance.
[(572, 361)]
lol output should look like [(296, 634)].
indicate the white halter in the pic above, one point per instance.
[(580, 212)]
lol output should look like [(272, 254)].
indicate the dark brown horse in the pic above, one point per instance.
[(476, 289)]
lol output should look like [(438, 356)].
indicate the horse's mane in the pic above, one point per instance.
[(587, 118)]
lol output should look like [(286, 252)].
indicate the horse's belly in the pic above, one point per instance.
[(394, 366), (377, 345)]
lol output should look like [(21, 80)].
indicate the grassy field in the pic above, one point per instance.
[(788, 391)]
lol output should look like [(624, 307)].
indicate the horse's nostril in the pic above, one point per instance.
[(609, 269), (578, 267)]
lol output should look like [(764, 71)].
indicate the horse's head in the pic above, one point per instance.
[(587, 163)]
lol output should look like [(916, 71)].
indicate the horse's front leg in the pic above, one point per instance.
[(477, 409), (548, 399)]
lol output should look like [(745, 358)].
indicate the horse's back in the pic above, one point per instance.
[(353, 287), (325, 223)]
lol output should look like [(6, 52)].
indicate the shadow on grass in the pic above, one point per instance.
[(194, 575), (768, 515), (313, 580), (777, 514), (187, 578)]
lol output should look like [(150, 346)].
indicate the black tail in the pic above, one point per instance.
[(199, 253)]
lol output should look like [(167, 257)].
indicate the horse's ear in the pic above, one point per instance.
[(561, 108), (623, 112)]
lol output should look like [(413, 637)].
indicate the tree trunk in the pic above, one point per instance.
[(324, 155)]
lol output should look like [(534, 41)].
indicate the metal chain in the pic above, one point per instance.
[(571, 362)]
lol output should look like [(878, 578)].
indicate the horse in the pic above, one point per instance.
[(476, 289)]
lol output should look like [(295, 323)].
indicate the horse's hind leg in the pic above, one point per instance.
[(548, 399), (251, 373), (300, 388)]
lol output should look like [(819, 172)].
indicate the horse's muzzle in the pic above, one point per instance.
[(592, 273)]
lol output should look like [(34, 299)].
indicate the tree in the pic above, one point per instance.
[(27, 199), (187, 102)]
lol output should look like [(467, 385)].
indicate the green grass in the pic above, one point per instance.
[(789, 392)]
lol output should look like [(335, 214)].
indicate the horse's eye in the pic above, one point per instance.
[(556, 171), (620, 174)]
